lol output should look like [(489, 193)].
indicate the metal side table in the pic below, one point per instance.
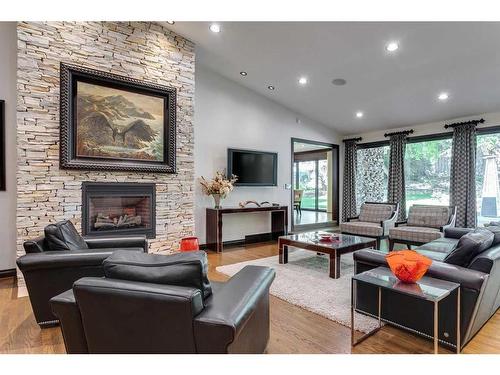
[(427, 288)]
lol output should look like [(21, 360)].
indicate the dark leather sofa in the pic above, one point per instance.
[(49, 272), (165, 304), (480, 290)]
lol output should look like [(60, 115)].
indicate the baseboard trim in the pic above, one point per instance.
[(8, 273), (252, 238)]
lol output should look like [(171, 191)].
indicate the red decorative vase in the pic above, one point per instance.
[(408, 265), (189, 244)]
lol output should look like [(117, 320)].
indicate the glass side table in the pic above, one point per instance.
[(427, 288)]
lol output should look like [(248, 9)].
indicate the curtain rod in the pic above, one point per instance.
[(473, 122), (352, 139), (405, 132)]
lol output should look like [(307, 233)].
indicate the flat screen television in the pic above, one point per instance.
[(253, 168)]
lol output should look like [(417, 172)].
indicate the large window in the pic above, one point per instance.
[(372, 173), (487, 178), (427, 172)]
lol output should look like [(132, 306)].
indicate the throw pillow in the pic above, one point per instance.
[(183, 269), (469, 246), (64, 236), (408, 265)]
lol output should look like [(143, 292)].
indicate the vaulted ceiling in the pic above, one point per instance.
[(391, 89)]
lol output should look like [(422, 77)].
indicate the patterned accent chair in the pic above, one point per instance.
[(425, 223), (374, 220)]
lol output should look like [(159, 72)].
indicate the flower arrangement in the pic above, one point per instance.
[(218, 187)]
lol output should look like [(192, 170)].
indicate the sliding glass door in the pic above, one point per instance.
[(487, 178), (312, 178), (307, 183), (322, 184)]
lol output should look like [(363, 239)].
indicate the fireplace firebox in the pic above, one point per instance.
[(115, 208)]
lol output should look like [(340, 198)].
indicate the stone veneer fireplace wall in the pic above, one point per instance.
[(142, 50)]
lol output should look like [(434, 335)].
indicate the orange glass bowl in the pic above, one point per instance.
[(408, 265), (189, 244)]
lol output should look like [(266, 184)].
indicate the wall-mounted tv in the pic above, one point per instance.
[(253, 168)]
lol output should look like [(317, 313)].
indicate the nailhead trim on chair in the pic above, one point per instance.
[(406, 328)]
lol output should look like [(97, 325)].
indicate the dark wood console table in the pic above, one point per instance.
[(279, 222)]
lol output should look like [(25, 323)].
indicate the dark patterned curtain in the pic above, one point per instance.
[(463, 175), (349, 183), (396, 192)]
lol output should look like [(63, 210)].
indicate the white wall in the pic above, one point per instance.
[(491, 119), (8, 71), (228, 115)]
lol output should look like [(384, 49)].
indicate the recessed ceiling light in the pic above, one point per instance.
[(443, 96), (302, 80), (215, 28), (170, 22), (270, 87), (359, 114), (392, 46), (244, 74), (339, 82)]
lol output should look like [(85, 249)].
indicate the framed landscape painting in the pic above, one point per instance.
[(111, 122)]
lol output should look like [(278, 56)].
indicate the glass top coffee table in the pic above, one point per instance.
[(312, 241), (427, 288)]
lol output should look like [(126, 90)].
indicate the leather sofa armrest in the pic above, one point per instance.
[(225, 316), (35, 245), (62, 259), (456, 232), (485, 261), (354, 218), (118, 242), (467, 278), (65, 308)]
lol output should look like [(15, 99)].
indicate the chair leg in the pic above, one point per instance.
[(378, 244), (391, 244)]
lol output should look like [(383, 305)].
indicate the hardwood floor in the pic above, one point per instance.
[(293, 330)]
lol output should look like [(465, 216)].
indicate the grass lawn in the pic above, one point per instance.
[(308, 202)]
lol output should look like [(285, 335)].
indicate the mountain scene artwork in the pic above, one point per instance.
[(118, 124)]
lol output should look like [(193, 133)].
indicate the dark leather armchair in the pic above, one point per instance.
[(48, 273), (164, 304)]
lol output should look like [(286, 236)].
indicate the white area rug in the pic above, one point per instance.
[(304, 282)]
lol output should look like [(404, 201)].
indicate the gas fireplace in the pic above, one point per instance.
[(118, 208)]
